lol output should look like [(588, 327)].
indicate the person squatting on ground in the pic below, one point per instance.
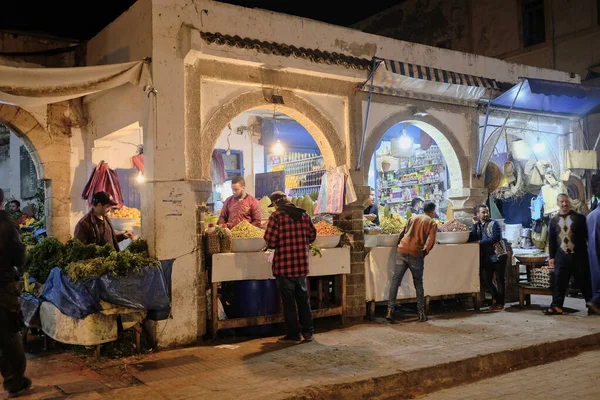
[(416, 241)]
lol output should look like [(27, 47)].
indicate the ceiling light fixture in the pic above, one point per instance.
[(539, 147), (405, 141)]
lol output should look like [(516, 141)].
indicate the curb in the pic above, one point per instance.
[(409, 384)]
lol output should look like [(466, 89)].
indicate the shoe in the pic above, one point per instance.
[(24, 388), (497, 308), (423, 317), (390, 315), (289, 340), (308, 337)]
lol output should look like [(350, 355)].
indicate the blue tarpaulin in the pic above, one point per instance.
[(148, 289), (539, 95)]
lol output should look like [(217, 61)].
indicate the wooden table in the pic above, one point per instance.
[(523, 283), (229, 267)]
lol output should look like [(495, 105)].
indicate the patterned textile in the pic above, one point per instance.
[(568, 234), (565, 235), (291, 240), (218, 175)]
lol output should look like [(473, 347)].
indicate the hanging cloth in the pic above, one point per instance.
[(138, 161), (218, 174), (336, 191), (103, 179)]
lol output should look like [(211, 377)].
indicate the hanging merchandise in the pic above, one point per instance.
[(218, 174), (138, 161), (336, 191), (103, 179), (581, 159)]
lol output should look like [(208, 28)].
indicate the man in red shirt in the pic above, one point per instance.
[(290, 232), (239, 207)]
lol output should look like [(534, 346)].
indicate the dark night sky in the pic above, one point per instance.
[(84, 19)]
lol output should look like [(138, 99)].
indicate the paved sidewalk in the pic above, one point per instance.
[(573, 378), (367, 359)]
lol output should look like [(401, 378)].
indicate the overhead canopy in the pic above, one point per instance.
[(402, 79), (22, 86), (539, 95)]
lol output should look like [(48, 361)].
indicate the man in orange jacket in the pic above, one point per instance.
[(416, 241)]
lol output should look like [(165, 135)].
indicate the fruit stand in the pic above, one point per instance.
[(451, 270), (247, 261)]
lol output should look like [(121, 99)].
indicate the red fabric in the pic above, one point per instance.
[(291, 240), (103, 179), (235, 211), (138, 161)]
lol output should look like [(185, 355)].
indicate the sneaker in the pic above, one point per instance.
[(24, 388), (308, 337), (390, 315), (289, 340), (423, 317)]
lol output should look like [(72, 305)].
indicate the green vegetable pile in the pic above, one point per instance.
[(81, 261)]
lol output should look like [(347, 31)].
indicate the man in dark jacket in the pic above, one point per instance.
[(12, 254), (492, 254), (567, 245), (95, 227), (290, 232)]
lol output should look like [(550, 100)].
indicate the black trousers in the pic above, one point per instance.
[(488, 269), (12, 360), (565, 266), (293, 293)]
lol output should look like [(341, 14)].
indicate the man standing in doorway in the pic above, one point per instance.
[(371, 211), (492, 254), (567, 243), (239, 207), (290, 232), (416, 241)]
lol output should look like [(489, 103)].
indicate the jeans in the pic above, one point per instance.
[(416, 265), (12, 360), (565, 266), (488, 269), (293, 293)]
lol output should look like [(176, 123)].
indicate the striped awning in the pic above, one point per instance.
[(399, 78)]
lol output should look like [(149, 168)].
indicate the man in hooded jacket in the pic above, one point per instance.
[(290, 232)]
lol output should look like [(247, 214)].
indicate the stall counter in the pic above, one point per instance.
[(449, 269)]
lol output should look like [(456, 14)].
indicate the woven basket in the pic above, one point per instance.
[(531, 259), (213, 243), (492, 176)]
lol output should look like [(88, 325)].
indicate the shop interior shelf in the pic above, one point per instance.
[(305, 173), (298, 161)]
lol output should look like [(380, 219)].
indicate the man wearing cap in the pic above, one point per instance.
[(290, 232), (95, 227)]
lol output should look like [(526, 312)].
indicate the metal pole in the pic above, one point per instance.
[(364, 135), (487, 116)]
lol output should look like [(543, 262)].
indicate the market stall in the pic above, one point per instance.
[(271, 153)]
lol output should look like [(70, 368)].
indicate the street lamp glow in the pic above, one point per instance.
[(140, 178), (278, 148), (539, 147), (405, 141)]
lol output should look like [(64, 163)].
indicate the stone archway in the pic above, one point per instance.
[(457, 161), (51, 156), (309, 116)]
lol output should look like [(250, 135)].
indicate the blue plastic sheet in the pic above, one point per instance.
[(30, 306), (145, 290)]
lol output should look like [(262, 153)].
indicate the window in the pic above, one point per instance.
[(534, 24)]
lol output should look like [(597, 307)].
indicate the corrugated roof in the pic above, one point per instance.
[(285, 50)]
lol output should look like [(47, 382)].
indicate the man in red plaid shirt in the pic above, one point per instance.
[(290, 232)]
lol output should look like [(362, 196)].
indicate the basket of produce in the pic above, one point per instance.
[(452, 232), (247, 238), (125, 218), (328, 236)]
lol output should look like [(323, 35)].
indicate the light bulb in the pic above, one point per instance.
[(405, 141), (539, 147), (140, 178), (278, 148)]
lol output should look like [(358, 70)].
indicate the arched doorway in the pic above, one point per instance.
[(50, 155), (455, 163), (306, 114)]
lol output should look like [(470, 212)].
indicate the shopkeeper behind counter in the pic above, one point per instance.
[(239, 207), (95, 227)]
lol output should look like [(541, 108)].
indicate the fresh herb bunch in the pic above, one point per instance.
[(116, 264), (138, 246), (42, 257)]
